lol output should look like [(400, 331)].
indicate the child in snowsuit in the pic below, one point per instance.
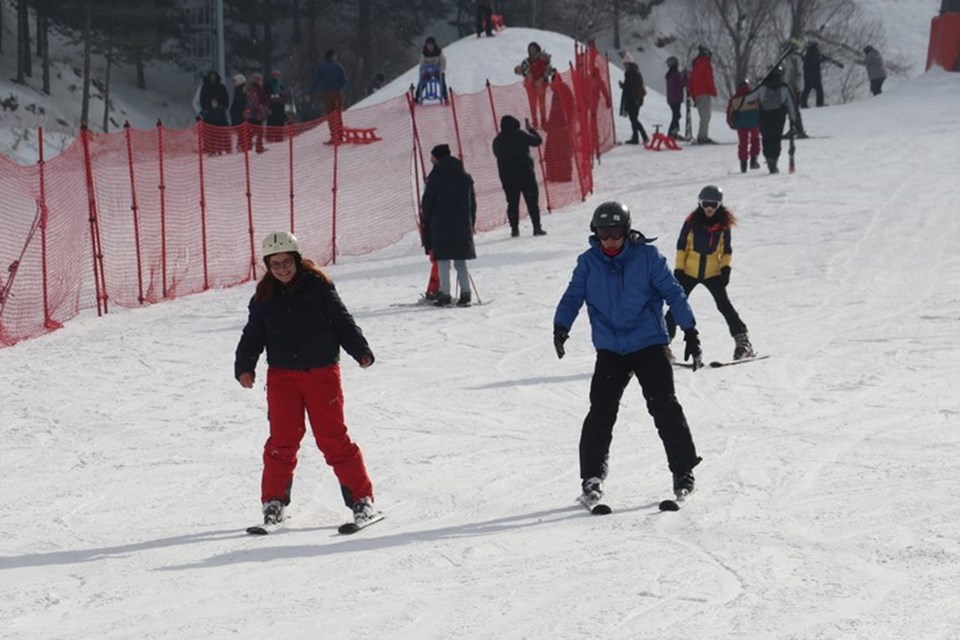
[(744, 118), (537, 73)]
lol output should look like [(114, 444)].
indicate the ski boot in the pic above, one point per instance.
[(743, 348), (273, 512), (364, 512), (683, 484)]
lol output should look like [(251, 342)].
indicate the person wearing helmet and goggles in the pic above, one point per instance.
[(624, 281)]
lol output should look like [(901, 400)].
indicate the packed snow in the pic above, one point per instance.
[(132, 457)]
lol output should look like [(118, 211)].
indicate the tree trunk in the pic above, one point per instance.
[(616, 24), (23, 45), (106, 95), (44, 36), (85, 101), (141, 74), (363, 48)]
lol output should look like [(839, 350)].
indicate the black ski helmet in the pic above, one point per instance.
[(611, 214), (711, 193)]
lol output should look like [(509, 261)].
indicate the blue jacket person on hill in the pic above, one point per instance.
[(624, 281)]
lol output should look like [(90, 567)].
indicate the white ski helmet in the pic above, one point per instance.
[(280, 242)]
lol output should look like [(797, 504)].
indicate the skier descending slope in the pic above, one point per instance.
[(298, 317), (624, 280)]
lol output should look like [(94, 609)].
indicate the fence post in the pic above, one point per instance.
[(292, 190), (456, 122), (99, 278), (203, 204), (163, 209), (333, 229), (418, 169), (244, 141), (48, 322), (136, 212)]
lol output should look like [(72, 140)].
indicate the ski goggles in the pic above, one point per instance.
[(709, 204), (611, 233)]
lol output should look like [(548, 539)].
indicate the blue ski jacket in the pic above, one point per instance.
[(624, 296)]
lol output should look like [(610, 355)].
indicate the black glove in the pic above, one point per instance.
[(560, 335), (692, 338), (678, 274), (725, 275)]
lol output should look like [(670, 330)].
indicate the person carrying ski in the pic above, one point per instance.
[(776, 106), (702, 91), (813, 58), (743, 117), (624, 281), (297, 316), (704, 256), (632, 98)]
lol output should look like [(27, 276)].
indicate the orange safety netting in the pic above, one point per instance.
[(139, 216)]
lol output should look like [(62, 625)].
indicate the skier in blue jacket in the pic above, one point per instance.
[(624, 281)]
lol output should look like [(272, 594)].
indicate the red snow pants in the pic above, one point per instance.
[(318, 394)]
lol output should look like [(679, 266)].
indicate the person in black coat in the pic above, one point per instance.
[(213, 109), (449, 209), (812, 78), (515, 166)]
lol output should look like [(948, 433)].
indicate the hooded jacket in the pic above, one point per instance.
[(624, 295), (703, 247), (512, 149), (449, 208)]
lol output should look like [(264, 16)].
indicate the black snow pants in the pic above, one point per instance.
[(611, 374)]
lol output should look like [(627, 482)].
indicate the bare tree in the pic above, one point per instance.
[(738, 32)]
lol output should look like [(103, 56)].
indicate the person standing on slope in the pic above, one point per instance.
[(297, 316), (776, 106), (624, 281), (704, 256), (512, 147), (676, 83), (702, 91)]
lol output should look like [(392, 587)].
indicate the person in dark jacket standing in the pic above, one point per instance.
[(676, 85), (449, 208), (813, 58), (632, 98), (239, 102), (624, 281), (876, 71), (214, 100), (705, 256), (329, 81), (517, 177), (297, 316)]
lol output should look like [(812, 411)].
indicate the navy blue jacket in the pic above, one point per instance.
[(624, 296), (302, 326)]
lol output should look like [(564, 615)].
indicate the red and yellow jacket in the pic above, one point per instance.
[(703, 250)]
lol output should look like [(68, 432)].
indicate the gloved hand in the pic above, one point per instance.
[(560, 335), (678, 273), (725, 275), (692, 339)]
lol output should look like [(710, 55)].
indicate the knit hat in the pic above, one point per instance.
[(627, 58), (440, 151), (239, 79)]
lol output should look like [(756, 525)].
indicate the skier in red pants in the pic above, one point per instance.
[(298, 317)]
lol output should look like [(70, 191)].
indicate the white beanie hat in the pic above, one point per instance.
[(627, 58)]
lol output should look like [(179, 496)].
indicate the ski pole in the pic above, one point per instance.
[(792, 151)]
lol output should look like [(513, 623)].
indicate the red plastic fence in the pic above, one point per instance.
[(140, 216)]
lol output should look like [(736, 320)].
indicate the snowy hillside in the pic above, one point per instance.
[(824, 508)]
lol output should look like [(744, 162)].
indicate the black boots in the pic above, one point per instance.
[(743, 166), (772, 165), (753, 163)]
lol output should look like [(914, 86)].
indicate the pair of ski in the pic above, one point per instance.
[(347, 528), (598, 508)]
